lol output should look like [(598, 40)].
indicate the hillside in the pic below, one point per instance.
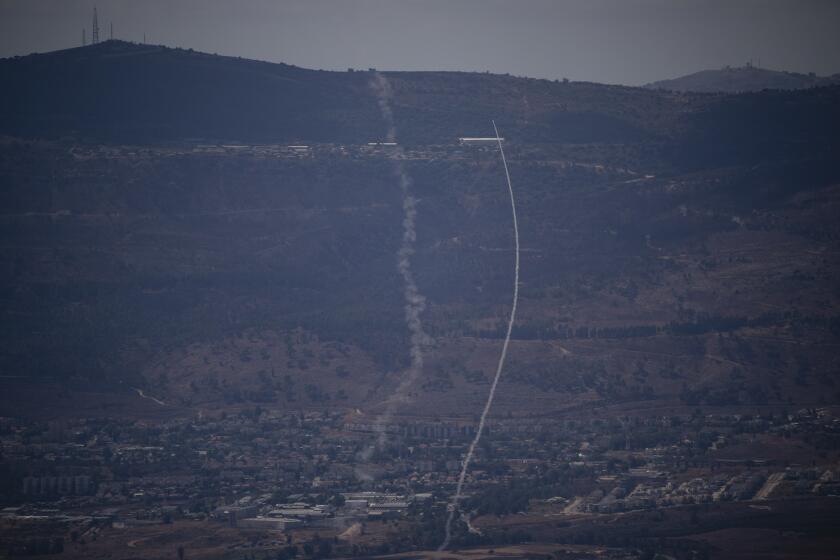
[(121, 91), (159, 233), (743, 79), (116, 91)]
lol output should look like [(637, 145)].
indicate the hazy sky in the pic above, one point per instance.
[(614, 41)]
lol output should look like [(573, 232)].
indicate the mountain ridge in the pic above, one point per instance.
[(226, 98), (742, 79)]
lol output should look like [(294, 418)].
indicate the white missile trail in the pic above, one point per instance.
[(415, 303), (453, 506)]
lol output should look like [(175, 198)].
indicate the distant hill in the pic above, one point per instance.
[(119, 91), (122, 92), (743, 79)]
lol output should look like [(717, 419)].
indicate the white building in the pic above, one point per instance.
[(268, 523), (479, 141)]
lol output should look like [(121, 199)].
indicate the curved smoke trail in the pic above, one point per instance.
[(415, 303), (453, 506)]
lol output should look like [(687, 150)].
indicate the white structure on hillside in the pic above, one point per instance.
[(478, 141)]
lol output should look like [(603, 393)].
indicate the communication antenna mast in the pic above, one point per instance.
[(95, 34), (84, 36), (112, 31)]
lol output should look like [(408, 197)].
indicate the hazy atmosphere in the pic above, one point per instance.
[(397, 280), (628, 42)]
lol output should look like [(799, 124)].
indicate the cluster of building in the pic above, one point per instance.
[(352, 507), (376, 148), (284, 471), (653, 494), (46, 486)]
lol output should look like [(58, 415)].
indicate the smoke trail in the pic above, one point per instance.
[(453, 506), (415, 303)]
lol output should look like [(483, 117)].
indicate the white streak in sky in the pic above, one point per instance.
[(415, 303), (453, 506)]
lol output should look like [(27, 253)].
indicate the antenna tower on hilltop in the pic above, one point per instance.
[(95, 34)]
